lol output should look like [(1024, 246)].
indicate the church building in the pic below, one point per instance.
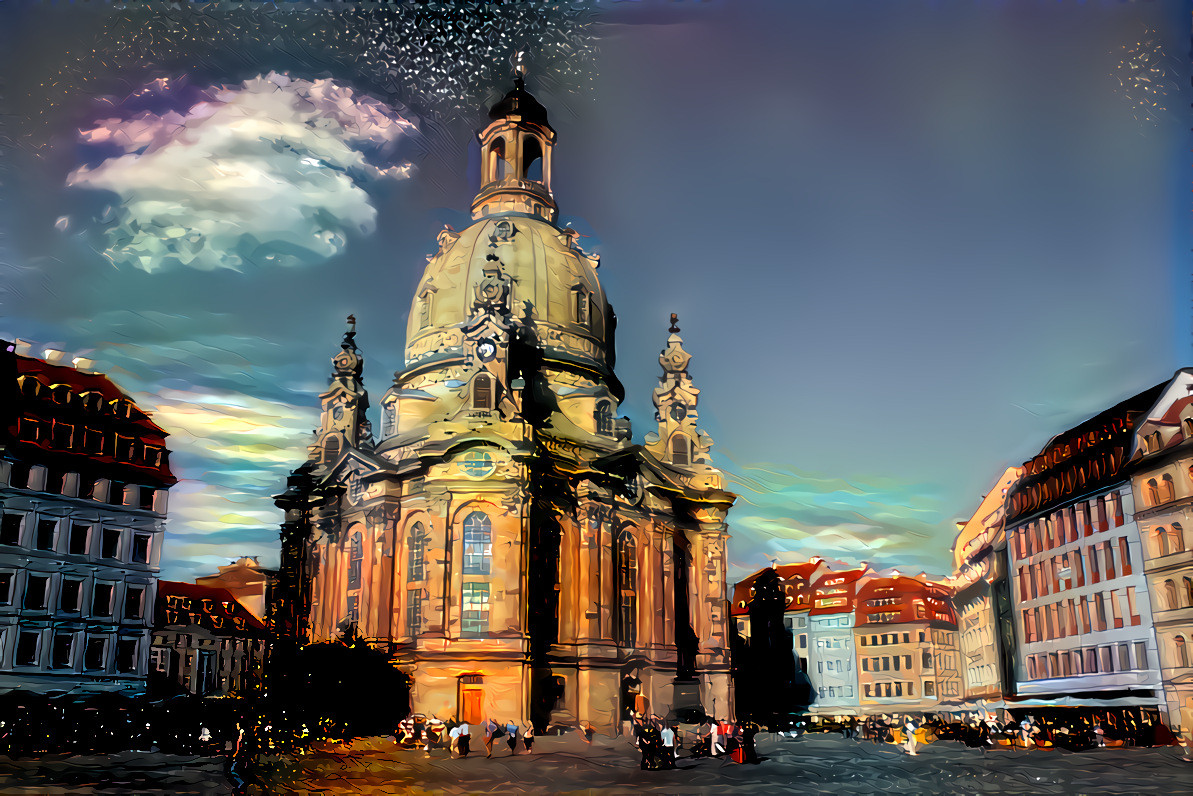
[(503, 537)]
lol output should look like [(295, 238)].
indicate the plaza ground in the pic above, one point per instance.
[(813, 764)]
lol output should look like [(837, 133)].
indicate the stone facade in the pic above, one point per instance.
[(83, 487), (1161, 469), (504, 538)]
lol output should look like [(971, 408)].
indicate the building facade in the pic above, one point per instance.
[(204, 641), (981, 595), (246, 580), (833, 664), (84, 476), (1083, 619), (503, 536), (906, 641), (1161, 470)]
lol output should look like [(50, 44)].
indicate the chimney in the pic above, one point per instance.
[(23, 347), (54, 356)]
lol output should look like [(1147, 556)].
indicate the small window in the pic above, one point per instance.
[(133, 597), (55, 480), (424, 309), (45, 534), (111, 543), (581, 304), (414, 611), (604, 418), (482, 392), (101, 599), (6, 588), (355, 559), (680, 450), (94, 653), (478, 544), (71, 598), (116, 493), (63, 434), (28, 643), (417, 550), (140, 552), (475, 616), (79, 534), (10, 529), (93, 441), (126, 655), (36, 587), (331, 449), (146, 497), (61, 656)]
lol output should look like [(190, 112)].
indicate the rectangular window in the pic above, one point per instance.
[(111, 543), (28, 642), (10, 529), (36, 587), (133, 597), (1116, 609), (868, 690), (1124, 555), (6, 588), (145, 497), (60, 656), (353, 608), (45, 534), (865, 664), (475, 608), (1091, 556), (896, 662), (63, 434), (93, 653), (886, 689), (1107, 659), (1091, 661), (1109, 560), (1100, 610), (886, 664), (140, 552), (907, 662), (1141, 655), (414, 611), (1085, 624), (79, 534), (126, 655), (101, 599), (929, 688), (93, 441), (1124, 657), (906, 638), (898, 689), (72, 592)]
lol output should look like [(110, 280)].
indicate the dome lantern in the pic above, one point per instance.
[(516, 157)]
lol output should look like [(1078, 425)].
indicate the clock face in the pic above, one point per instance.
[(337, 413), (478, 464), (486, 350), (679, 412)]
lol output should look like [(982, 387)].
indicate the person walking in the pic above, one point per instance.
[(465, 739), (487, 731), (909, 728), (453, 749), (667, 735), (511, 736), (528, 738), (714, 735)]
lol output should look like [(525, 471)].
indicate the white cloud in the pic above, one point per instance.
[(270, 172)]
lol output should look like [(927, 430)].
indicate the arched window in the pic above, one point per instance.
[(424, 308), (580, 305), (331, 449), (680, 449), (416, 546), (1152, 492), (1167, 492), (356, 555), (532, 159), (389, 419), (1187, 427), (627, 588), (29, 386), (1188, 583), (1182, 655), (478, 543), (1176, 538), (482, 392), (1170, 598), (604, 418), (498, 165), (1160, 539)]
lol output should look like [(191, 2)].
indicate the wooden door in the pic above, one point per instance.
[(472, 705)]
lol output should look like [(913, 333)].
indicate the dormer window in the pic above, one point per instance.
[(580, 304), (331, 449), (482, 392), (424, 309), (604, 418)]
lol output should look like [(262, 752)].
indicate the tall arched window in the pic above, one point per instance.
[(580, 304), (1152, 492), (1188, 582), (331, 449), (680, 449), (424, 308), (1182, 655), (478, 543), (1160, 539), (498, 165), (604, 418), (1167, 492), (1170, 598), (416, 546), (532, 159), (482, 392), (1176, 538), (356, 555), (1187, 427), (627, 588)]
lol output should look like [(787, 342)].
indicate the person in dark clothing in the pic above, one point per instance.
[(465, 737), (651, 745)]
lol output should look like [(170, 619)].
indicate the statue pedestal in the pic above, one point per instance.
[(685, 701)]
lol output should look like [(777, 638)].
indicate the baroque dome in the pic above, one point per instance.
[(553, 284)]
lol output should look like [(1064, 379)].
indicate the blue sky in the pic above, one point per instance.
[(908, 242)]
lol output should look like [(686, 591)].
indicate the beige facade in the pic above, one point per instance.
[(979, 559), (1162, 482), (504, 538)]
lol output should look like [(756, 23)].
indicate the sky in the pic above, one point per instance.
[(908, 242)]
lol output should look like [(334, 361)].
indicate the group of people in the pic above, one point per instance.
[(418, 732), (660, 742)]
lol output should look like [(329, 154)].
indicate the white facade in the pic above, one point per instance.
[(1082, 615), (832, 667)]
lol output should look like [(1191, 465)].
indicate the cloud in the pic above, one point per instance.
[(791, 515), (270, 172)]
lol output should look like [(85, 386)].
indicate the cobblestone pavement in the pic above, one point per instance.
[(814, 764)]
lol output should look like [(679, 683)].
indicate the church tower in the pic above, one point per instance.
[(343, 422), (678, 441)]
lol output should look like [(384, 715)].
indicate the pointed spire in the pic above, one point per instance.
[(349, 362)]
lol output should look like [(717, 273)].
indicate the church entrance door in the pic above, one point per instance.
[(472, 704)]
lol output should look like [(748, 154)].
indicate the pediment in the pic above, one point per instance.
[(354, 462)]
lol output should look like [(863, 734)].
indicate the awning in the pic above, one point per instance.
[(1084, 702)]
